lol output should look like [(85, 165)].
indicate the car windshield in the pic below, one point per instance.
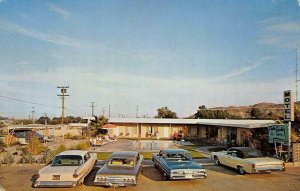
[(67, 160), (179, 156), (121, 162), (252, 153)]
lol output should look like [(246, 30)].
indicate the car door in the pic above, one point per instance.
[(229, 157), (236, 159)]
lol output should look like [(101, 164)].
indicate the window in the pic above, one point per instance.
[(87, 157)]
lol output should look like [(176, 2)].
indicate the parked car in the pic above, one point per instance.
[(178, 164), (123, 168), (247, 160), (69, 168)]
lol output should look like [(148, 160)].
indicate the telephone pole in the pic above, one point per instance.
[(93, 106), (137, 111), (32, 114), (109, 111), (63, 91), (296, 71)]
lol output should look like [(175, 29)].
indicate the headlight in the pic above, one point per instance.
[(177, 172), (199, 172)]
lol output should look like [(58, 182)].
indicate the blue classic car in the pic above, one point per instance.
[(178, 164)]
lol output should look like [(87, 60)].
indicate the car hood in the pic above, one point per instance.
[(117, 170), (264, 160), (183, 165)]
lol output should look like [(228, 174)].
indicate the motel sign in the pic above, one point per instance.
[(288, 106)]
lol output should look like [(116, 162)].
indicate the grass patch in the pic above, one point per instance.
[(195, 154), (148, 155)]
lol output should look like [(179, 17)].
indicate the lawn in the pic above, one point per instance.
[(148, 155)]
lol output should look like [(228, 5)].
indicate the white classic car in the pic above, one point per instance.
[(69, 168), (247, 160)]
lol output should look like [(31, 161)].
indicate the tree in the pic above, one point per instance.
[(97, 123), (42, 120), (56, 121), (204, 113), (2, 125), (255, 113), (164, 112)]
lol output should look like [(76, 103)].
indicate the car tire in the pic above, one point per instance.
[(241, 170), (155, 165), (217, 161), (165, 176)]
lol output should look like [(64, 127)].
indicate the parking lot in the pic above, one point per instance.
[(219, 178)]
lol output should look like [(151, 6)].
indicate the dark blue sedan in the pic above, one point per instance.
[(178, 164)]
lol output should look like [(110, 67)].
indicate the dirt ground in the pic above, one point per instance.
[(17, 178)]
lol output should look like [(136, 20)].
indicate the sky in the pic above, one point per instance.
[(150, 54)]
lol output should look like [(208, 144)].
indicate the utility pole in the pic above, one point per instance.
[(32, 114), (296, 71), (109, 111), (137, 111), (93, 106), (63, 91), (46, 122)]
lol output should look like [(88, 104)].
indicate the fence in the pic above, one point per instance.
[(296, 152)]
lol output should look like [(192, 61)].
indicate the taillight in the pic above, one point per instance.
[(36, 175), (75, 175), (253, 166)]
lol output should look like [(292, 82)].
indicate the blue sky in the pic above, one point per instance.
[(179, 54)]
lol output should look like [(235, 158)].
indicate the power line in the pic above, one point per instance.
[(29, 102)]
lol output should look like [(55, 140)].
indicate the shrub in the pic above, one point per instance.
[(68, 136), (59, 149), (8, 158), (46, 157), (27, 158), (35, 146)]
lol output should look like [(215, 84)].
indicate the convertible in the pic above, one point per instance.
[(178, 164), (247, 160), (123, 168), (69, 168)]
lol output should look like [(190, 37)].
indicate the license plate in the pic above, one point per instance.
[(56, 177)]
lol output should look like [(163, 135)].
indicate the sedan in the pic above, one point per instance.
[(178, 164), (123, 168), (247, 160), (69, 168)]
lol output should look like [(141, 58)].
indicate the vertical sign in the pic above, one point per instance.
[(288, 106)]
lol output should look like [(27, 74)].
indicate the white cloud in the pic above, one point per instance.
[(242, 70), (51, 38), (280, 34), (299, 3), (1, 1), (59, 10)]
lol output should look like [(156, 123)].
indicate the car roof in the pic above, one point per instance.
[(73, 152), (173, 151), (124, 154)]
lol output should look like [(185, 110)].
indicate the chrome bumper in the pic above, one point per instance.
[(54, 184), (113, 183), (188, 176), (268, 169)]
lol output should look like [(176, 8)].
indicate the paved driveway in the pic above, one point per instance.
[(219, 179)]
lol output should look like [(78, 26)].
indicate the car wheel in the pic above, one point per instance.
[(217, 162), (155, 165), (241, 170)]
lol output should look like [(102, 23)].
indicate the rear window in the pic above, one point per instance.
[(67, 160), (121, 162)]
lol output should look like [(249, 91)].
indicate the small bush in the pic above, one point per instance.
[(46, 157), (59, 149), (8, 158), (27, 158), (68, 136), (35, 147)]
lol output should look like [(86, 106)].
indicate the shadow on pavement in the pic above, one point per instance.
[(89, 179), (152, 173), (222, 169)]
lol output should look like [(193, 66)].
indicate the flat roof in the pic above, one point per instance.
[(243, 123)]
